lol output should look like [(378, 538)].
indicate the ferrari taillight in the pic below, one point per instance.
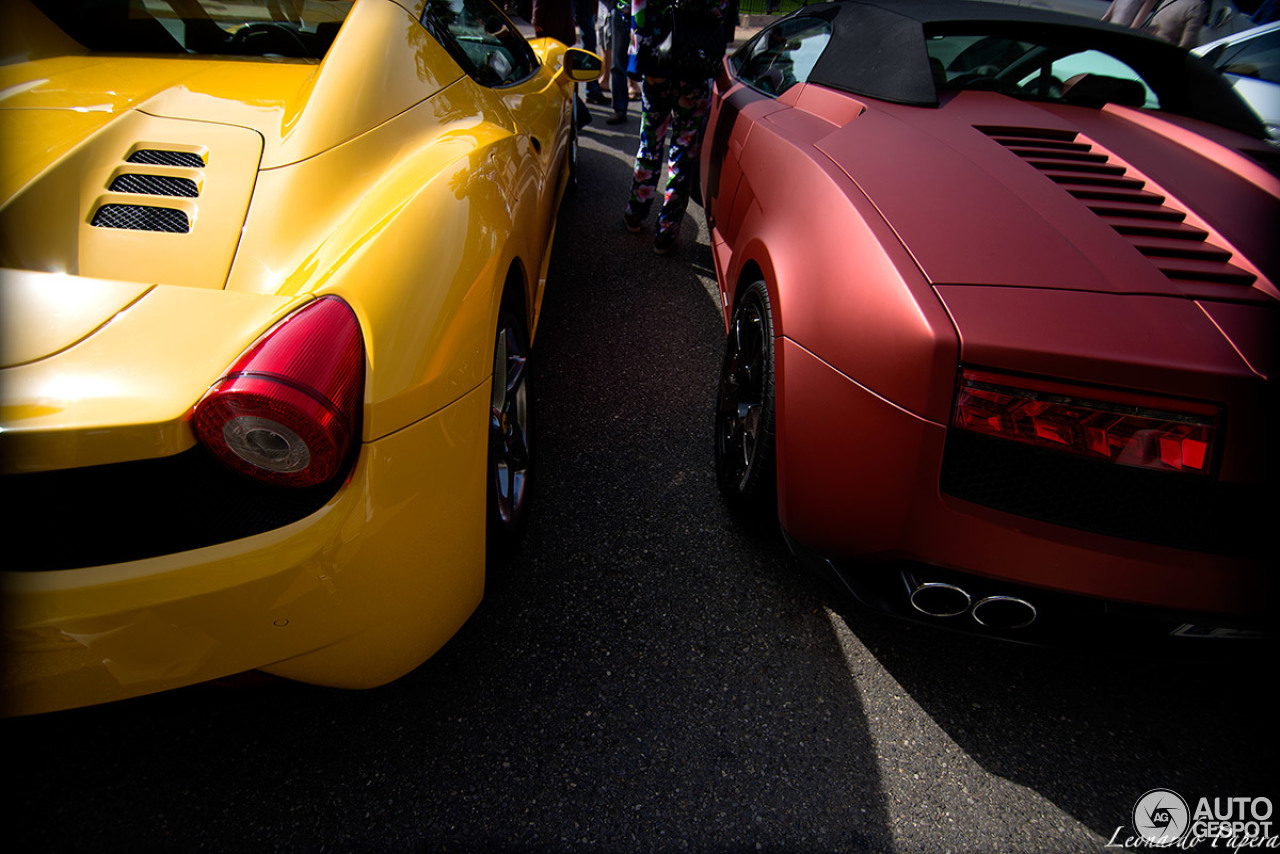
[(1132, 429), (288, 410)]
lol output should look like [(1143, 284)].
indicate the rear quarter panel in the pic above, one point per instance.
[(866, 355), (417, 224), (844, 287)]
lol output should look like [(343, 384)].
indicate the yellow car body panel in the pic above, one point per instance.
[(79, 391), (300, 107), (383, 174), (49, 226), (390, 240), (323, 600)]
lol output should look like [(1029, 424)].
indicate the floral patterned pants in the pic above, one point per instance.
[(681, 107)]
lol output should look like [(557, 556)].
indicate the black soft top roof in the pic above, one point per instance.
[(877, 50)]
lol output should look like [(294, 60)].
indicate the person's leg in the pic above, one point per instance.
[(689, 106), (584, 15), (656, 101), (604, 41), (620, 38)]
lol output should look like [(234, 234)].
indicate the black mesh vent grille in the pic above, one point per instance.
[(1156, 228), (155, 185), (142, 218), (160, 157), (1155, 507), (130, 511)]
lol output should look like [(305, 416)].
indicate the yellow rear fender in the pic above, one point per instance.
[(420, 245)]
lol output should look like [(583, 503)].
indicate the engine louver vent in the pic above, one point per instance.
[(163, 157), (142, 218), (1268, 158), (1122, 199), (155, 185)]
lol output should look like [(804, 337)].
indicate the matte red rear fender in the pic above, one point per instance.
[(842, 284)]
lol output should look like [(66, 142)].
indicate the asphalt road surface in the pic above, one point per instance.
[(652, 676)]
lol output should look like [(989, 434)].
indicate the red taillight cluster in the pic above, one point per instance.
[(1131, 429), (288, 410)]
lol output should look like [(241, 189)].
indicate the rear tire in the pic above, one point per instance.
[(510, 467), (744, 429), (571, 166)]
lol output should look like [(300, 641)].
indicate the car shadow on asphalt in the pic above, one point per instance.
[(653, 658), (1091, 730)]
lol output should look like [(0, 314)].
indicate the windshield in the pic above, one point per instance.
[(288, 28)]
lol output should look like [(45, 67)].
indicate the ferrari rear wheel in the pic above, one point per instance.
[(510, 466), (572, 156), (744, 429)]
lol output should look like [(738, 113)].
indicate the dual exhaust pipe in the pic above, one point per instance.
[(938, 599)]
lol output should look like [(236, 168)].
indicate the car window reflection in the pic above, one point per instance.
[(481, 39), (783, 56)]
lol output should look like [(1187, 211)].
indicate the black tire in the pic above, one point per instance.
[(744, 430), (572, 156), (510, 468)]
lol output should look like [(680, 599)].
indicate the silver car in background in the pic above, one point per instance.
[(1251, 61)]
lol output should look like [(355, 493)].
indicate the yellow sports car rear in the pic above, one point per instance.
[(271, 274)]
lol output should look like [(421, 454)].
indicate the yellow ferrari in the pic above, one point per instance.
[(271, 275)]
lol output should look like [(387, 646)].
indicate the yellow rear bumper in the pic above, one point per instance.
[(355, 595)]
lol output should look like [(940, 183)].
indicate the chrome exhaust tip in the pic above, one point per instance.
[(939, 600), (1004, 612)]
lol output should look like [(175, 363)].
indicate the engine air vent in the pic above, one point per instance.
[(164, 157), (1145, 216), (1268, 157), (142, 218), (155, 185)]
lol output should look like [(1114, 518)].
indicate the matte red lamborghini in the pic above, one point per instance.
[(1000, 294)]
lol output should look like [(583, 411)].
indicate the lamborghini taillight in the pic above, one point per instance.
[(1133, 429), (288, 411)]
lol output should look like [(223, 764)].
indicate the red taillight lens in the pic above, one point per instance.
[(1131, 429), (288, 410)]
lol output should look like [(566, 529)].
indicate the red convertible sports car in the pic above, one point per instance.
[(1000, 294)]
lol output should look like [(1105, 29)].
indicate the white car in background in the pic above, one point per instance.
[(1251, 61)]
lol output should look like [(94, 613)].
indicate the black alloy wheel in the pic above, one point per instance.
[(744, 430), (510, 467)]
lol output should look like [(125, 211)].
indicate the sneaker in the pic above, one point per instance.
[(664, 242), (632, 222), (597, 98), (616, 119)]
